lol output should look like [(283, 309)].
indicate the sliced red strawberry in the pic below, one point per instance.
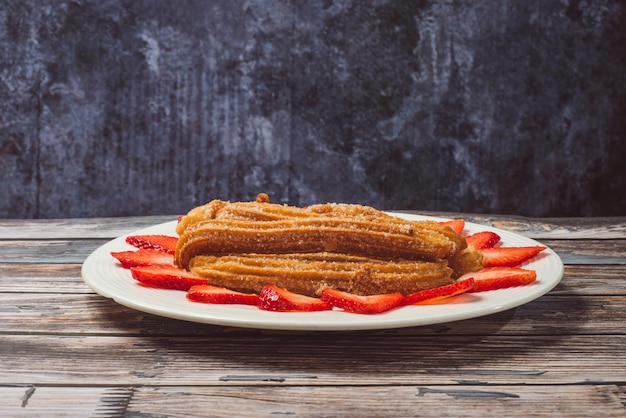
[(509, 256), (167, 277), (274, 298), (214, 294), (483, 239), (456, 224), (143, 257), (441, 292), (154, 242), (361, 304), (491, 278)]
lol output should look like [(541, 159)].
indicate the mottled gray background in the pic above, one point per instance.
[(124, 107)]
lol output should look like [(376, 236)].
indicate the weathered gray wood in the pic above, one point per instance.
[(42, 278), (349, 401), (91, 314), (598, 252), (90, 228), (546, 228), (47, 252), (65, 350), (301, 359)]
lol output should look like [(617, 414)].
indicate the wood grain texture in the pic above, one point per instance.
[(67, 351), (271, 401), (300, 359), (86, 314)]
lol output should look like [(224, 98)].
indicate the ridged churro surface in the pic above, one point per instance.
[(243, 227), (216, 241), (309, 273)]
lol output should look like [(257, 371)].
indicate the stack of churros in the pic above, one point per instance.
[(358, 249)]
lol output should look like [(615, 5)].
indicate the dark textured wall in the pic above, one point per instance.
[(126, 107)]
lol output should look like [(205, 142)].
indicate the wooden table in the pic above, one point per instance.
[(65, 350)]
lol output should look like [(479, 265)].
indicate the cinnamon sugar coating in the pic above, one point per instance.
[(347, 247)]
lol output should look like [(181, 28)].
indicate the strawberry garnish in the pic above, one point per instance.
[(456, 224), (484, 239), (491, 278), (372, 304), (441, 292), (214, 294), (143, 257), (163, 243), (274, 298), (509, 256), (166, 276)]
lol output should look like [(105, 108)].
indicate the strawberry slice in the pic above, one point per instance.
[(509, 256), (372, 304), (484, 239), (441, 292), (213, 294), (274, 298), (456, 224), (154, 242), (143, 257), (166, 277), (491, 278)]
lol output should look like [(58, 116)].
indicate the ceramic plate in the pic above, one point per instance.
[(105, 276)]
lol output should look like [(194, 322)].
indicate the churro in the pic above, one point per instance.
[(348, 247), (310, 273), (223, 227)]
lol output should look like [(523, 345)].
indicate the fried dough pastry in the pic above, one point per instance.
[(467, 260), (310, 273), (258, 227), (245, 245)]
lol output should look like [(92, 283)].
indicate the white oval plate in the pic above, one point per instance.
[(107, 277)]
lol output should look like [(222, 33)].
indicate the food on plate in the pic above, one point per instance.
[(309, 273), (508, 256), (493, 278), (143, 257), (482, 239), (275, 298), (261, 227), (166, 276), (213, 294), (466, 260), (154, 242), (372, 304), (350, 257), (442, 292)]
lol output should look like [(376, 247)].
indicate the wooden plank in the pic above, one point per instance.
[(48, 252), (589, 251), (108, 228), (547, 228), (278, 400), (42, 278), (36, 401), (592, 280), (312, 359), (92, 314), (78, 228)]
